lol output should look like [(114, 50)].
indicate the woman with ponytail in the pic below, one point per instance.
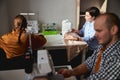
[(16, 42)]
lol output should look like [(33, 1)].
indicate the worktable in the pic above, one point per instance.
[(20, 74), (57, 42)]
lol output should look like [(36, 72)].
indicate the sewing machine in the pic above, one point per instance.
[(45, 66), (44, 62)]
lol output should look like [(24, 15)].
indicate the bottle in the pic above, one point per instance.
[(29, 57), (29, 61), (66, 26), (54, 27)]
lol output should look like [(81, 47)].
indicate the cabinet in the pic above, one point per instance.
[(114, 6)]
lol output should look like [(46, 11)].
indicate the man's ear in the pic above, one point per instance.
[(114, 30)]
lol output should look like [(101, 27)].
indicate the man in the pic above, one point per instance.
[(107, 67)]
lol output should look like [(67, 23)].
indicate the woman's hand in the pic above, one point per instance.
[(72, 36), (75, 31)]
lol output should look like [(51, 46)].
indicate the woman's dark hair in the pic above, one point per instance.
[(94, 11), (21, 25)]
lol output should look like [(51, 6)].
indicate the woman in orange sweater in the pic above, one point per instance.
[(16, 42)]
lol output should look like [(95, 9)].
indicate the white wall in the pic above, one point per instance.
[(48, 11)]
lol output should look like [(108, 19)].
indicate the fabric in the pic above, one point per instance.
[(9, 43), (74, 48), (109, 66), (88, 32)]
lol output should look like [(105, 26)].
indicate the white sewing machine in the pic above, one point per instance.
[(45, 65), (44, 62)]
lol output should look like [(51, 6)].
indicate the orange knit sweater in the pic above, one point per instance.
[(9, 43)]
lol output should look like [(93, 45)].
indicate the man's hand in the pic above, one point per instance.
[(65, 72)]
